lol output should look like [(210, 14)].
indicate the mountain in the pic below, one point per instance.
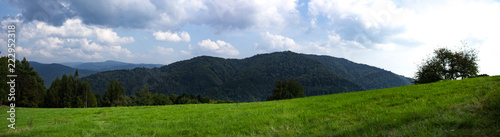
[(107, 65), (49, 72), (249, 79), (368, 77)]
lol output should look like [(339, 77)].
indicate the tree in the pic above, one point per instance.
[(161, 99), (448, 64), (30, 90), (143, 97), (173, 98), (99, 100), (89, 99), (182, 99), (287, 90), (70, 92), (4, 88), (53, 98), (205, 99), (114, 95), (66, 92)]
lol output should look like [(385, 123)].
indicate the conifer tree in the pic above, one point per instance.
[(114, 95)]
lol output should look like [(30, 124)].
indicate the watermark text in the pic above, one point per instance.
[(11, 65)]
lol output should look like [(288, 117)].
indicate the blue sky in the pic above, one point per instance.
[(393, 35)]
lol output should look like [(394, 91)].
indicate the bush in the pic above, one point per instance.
[(287, 90)]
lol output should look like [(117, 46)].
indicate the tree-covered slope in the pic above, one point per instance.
[(262, 71), (368, 77), (250, 79)]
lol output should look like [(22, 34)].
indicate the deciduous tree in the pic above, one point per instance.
[(448, 64), (287, 90), (143, 97)]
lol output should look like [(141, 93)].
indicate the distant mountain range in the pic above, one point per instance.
[(250, 79), (49, 72), (107, 65)]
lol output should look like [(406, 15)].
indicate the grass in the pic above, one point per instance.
[(469, 107)]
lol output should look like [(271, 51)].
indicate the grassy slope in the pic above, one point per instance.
[(463, 107)]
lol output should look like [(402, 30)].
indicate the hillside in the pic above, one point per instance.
[(250, 79), (366, 76), (449, 108), (49, 72)]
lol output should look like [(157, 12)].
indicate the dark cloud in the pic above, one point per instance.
[(133, 14), (51, 11), (111, 13), (156, 14), (220, 15)]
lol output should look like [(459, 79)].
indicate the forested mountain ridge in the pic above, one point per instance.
[(241, 80), (49, 72), (368, 77)]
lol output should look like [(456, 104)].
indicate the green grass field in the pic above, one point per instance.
[(469, 107)]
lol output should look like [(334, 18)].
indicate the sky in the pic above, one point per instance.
[(392, 35)]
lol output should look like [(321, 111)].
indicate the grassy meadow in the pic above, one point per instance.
[(469, 107)]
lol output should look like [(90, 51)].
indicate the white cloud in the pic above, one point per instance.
[(335, 45), (70, 41), (70, 28), (173, 14), (456, 21), (3, 47), (373, 13), (81, 48), (51, 43), (163, 51), (22, 51), (409, 31), (46, 53), (186, 52), (218, 47), (368, 31), (172, 37), (445, 26), (167, 15), (368, 22), (73, 28), (274, 42), (276, 13), (227, 14), (110, 37)]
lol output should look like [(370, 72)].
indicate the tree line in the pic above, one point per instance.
[(115, 96), (70, 91)]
